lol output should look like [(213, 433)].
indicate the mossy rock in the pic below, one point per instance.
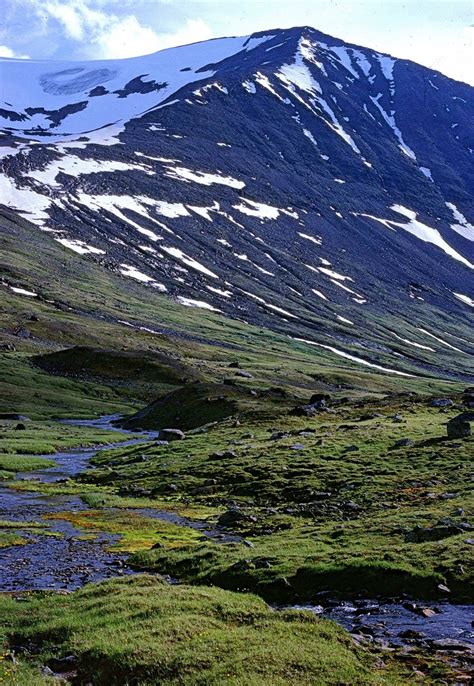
[(195, 405)]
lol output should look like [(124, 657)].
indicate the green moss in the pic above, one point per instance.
[(8, 538)]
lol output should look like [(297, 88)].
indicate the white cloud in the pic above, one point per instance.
[(5, 51), (127, 38), (109, 36)]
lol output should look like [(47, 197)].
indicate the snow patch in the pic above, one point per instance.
[(390, 120), (194, 264), (188, 302), (465, 299), (204, 178), (257, 209), (462, 227), (23, 291), (79, 246), (353, 358)]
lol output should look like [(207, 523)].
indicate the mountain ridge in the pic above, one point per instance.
[(310, 187)]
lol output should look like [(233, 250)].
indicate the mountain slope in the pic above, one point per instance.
[(286, 179)]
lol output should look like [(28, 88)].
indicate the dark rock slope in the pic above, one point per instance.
[(286, 179)]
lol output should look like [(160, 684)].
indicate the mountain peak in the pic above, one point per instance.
[(284, 178)]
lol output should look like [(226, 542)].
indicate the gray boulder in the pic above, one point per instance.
[(172, 434), (460, 426)]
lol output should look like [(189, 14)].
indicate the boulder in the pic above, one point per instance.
[(435, 533), (304, 411), (234, 517), (223, 455), (404, 443), (460, 426), (242, 373), (172, 434), (442, 402), (468, 397), (320, 399)]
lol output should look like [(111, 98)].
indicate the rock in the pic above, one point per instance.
[(244, 374), (442, 402), (278, 435), (247, 435), (20, 427), (460, 426), (434, 533), (297, 446), (320, 399), (172, 434), (223, 455), (397, 419), (411, 633), (234, 517), (469, 541), (468, 397), (451, 644), (304, 411), (404, 443), (443, 588), (369, 415)]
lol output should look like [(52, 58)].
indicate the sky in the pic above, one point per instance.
[(435, 33)]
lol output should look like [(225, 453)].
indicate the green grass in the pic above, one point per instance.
[(136, 532), (8, 539), (141, 630), (46, 438), (27, 390), (23, 463), (323, 517)]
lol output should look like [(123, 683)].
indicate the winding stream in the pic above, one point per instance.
[(64, 557)]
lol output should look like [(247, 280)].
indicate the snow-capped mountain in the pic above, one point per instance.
[(285, 178)]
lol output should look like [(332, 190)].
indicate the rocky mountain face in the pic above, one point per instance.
[(286, 179)]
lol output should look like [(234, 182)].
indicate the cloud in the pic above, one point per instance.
[(5, 51), (127, 38), (106, 35)]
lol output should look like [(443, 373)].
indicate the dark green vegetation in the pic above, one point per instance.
[(327, 502)]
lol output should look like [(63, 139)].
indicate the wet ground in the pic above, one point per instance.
[(62, 556)]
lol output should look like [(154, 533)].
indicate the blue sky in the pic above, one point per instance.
[(436, 33)]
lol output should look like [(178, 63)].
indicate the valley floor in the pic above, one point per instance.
[(366, 499)]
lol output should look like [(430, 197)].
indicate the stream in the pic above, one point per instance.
[(62, 557)]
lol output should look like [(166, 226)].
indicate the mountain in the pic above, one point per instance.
[(286, 179)]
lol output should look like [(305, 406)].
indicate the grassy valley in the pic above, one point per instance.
[(315, 477)]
